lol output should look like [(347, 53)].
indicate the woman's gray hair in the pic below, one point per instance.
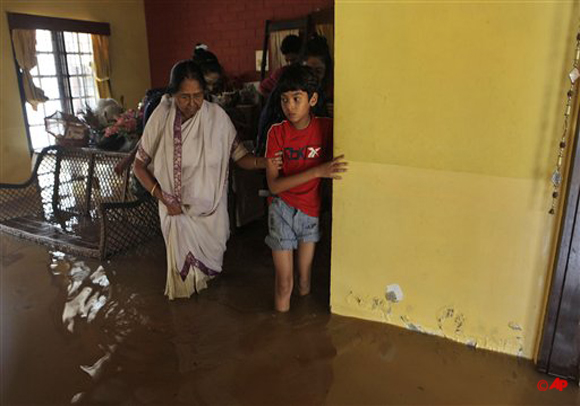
[(186, 69)]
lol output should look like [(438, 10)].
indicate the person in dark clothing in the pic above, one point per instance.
[(290, 47), (211, 69)]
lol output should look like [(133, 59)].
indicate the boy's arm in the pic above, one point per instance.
[(278, 184)]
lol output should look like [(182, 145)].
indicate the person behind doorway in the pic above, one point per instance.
[(290, 48), (183, 161), (294, 208), (212, 70), (317, 56)]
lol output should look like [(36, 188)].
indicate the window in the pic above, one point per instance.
[(65, 75), (64, 69)]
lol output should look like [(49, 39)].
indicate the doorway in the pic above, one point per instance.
[(560, 346)]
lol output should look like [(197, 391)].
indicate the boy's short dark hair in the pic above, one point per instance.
[(298, 77), (291, 44)]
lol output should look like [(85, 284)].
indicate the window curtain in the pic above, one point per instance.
[(327, 31), (276, 57), (24, 42), (102, 65)]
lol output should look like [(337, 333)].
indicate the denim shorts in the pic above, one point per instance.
[(288, 226)]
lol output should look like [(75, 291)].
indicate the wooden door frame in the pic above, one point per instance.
[(556, 299)]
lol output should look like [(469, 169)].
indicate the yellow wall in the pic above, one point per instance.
[(129, 62), (450, 115)]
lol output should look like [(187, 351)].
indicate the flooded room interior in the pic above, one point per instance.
[(289, 202)]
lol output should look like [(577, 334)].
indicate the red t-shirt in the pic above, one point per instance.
[(303, 149)]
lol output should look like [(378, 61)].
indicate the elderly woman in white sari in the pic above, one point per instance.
[(183, 160)]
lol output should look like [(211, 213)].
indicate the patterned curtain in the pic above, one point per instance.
[(24, 42)]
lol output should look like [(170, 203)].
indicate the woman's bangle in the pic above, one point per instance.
[(153, 189), (256, 162)]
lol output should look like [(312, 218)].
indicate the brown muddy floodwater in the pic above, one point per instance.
[(83, 332)]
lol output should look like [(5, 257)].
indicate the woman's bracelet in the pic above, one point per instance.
[(153, 189), (256, 162)]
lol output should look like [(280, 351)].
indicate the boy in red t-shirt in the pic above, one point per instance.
[(306, 143)]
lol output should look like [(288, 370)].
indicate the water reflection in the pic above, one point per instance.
[(93, 312), (87, 291)]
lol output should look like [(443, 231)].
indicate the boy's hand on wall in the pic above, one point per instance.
[(333, 169)]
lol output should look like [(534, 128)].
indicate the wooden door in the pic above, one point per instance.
[(560, 347)]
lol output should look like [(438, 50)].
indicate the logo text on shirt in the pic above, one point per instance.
[(302, 153)]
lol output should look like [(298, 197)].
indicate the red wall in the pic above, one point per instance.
[(233, 30)]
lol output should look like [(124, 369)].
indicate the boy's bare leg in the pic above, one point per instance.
[(284, 281), (305, 257)]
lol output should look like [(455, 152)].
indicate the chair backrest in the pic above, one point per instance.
[(152, 100), (84, 178)]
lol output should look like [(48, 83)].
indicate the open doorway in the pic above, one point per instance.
[(560, 347), (288, 46)]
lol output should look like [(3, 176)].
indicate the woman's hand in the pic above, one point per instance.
[(252, 162), (333, 169), (274, 163), (278, 160), (173, 208)]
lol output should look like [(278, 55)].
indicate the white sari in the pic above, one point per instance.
[(190, 161)]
